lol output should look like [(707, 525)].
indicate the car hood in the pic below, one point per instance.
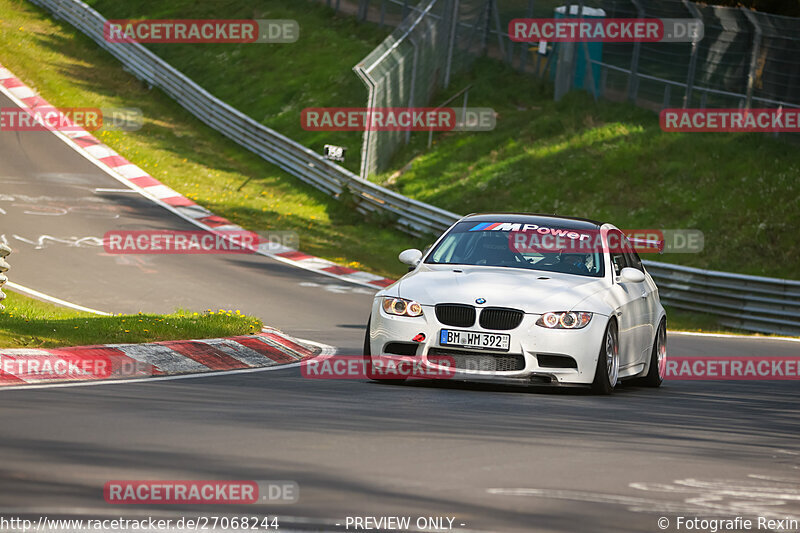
[(530, 290)]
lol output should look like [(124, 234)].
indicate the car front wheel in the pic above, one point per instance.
[(607, 371)]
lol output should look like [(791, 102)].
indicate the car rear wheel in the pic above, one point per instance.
[(607, 371), (658, 358)]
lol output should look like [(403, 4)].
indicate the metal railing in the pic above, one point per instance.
[(751, 303), (4, 251), (748, 302), (408, 215)]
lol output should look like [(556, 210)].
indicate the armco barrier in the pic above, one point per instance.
[(752, 303), (748, 302), (4, 251)]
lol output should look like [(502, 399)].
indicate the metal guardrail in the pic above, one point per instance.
[(409, 215), (4, 251), (748, 302), (751, 303)]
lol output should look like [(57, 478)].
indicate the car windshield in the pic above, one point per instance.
[(503, 245)]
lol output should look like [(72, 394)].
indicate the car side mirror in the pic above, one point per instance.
[(631, 274), (410, 257)]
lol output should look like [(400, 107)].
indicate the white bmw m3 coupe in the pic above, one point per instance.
[(529, 298)]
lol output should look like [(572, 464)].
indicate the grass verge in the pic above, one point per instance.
[(30, 323)]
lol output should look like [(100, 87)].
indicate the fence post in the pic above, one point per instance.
[(751, 74), (564, 69), (365, 144), (589, 67), (487, 28), (452, 42), (687, 97), (363, 9), (499, 30), (525, 46), (4, 251), (413, 80), (633, 78)]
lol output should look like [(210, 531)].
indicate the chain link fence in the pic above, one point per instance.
[(433, 40), (745, 59)]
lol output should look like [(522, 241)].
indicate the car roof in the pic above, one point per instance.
[(536, 218)]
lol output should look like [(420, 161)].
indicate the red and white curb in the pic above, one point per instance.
[(137, 179), (20, 367)]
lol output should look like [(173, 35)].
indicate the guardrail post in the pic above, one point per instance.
[(4, 251)]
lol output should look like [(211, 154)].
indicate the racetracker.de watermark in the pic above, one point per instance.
[(175, 492), (732, 368), (532, 238), (48, 118), (68, 367), (201, 31), (198, 242), (398, 119), (730, 120), (378, 367), (607, 30)]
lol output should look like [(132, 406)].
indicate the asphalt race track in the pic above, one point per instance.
[(496, 458)]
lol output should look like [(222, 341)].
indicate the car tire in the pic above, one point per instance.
[(368, 371), (658, 358), (607, 371)]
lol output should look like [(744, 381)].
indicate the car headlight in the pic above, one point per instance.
[(564, 320), (401, 307)]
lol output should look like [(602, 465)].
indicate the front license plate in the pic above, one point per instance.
[(475, 339)]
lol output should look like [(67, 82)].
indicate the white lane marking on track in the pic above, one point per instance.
[(102, 189), (77, 242), (338, 289), (731, 336), (723, 497), (42, 296)]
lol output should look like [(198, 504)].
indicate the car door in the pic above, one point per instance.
[(628, 299), (643, 305)]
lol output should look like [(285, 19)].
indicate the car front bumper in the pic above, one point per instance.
[(538, 354)]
